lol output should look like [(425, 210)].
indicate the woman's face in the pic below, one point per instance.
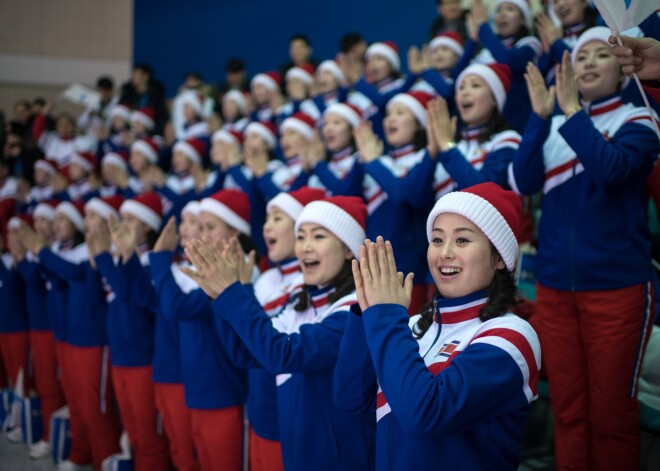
[(76, 172), (230, 110), (443, 57), (260, 94), (64, 126), (212, 229), (44, 227), (133, 224), (570, 12), (475, 101), (279, 235), (181, 164), (400, 125), (188, 228), (378, 68), (255, 144), (321, 254), (63, 229), (337, 133), (189, 113), (292, 143), (459, 256), (41, 177), (138, 161), (326, 82), (93, 220), (139, 129), (508, 19), (296, 89), (596, 71)]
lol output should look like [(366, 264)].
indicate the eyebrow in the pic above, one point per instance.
[(460, 229)]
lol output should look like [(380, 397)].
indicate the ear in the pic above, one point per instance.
[(500, 264), (348, 254)]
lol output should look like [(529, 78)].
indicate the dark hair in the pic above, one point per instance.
[(68, 116), (234, 65), (105, 83), (349, 41), (522, 32), (78, 238), (301, 37), (419, 139), (26, 103), (502, 292), (344, 284), (3, 161), (144, 67), (41, 101), (496, 123), (152, 237), (193, 75), (248, 245)]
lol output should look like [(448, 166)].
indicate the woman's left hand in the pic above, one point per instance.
[(567, 91), (380, 281), (214, 269), (443, 125)]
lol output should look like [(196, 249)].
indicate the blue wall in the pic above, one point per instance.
[(176, 36)]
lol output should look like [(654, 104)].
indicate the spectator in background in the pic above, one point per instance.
[(21, 153), (23, 116), (451, 17), (96, 120), (300, 53), (193, 86), (144, 91), (353, 46), (235, 77)]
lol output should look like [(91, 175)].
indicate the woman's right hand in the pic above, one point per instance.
[(542, 99)]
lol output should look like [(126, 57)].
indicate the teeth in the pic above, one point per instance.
[(449, 270)]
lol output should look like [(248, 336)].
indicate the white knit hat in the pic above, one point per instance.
[(147, 207), (266, 130), (416, 101), (344, 216), (597, 33), (293, 202), (492, 209), (193, 207), (349, 112), (231, 206), (73, 212), (497, 77), (301, 123), (44, 210), (523, 5), (332, 67), (105, 207), (388, 50)]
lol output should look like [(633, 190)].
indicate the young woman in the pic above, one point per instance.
[(511, 44), (82, 173), (330, 85), (386, 191), (42, 341), (300, 344), (235, 109), (65, 266), (86, 359), (215, 389), (333, 164), (131, 326), (593, 264), (487, 144), (273, 289), (266, 89), (464, 371), (143, 161)]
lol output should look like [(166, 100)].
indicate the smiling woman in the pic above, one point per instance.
[(467, 367)]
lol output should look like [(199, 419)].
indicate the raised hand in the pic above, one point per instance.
[(443, 125), (415, 60), (244, 265), (313, 152), (168, 237), (478, 16), (123, 238), (16, 249), (381, 282), (547, 31), (214, 271), (638, 55), (256, 161), (368, 144), (567, 91), (31, 240), (543, 100)]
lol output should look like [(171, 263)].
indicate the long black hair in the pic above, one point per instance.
[(502, 292), (343, 283)]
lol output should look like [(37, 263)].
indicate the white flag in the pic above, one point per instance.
[(82, 95), (619, 19)]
